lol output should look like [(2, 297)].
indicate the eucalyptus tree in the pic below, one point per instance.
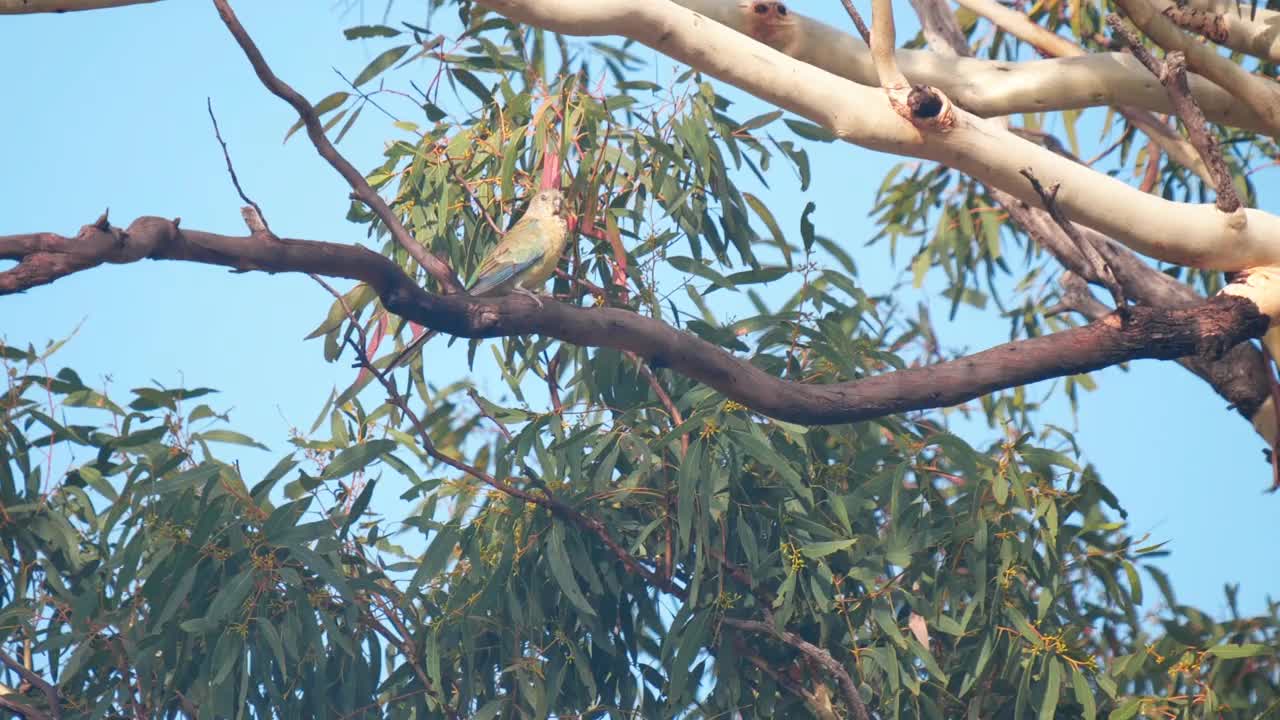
[(725, 485)]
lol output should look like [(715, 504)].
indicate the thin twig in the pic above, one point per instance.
[(847, 689), (22, 711), (475, 397), (1099, 266), (1172, 73), (435, 266), (50, 691), (857, 21), (128, 679), (585, 287), (405, 644), (764, 597), (677, 419), (457, 177), (545, 500), (226, 155), (1128, 131), (1175, 81), (1152, 174), (553, 385), (812, 699)]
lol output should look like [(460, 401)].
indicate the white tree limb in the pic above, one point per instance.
[(938, 23), (1257, 37), (1020, 26), (1186, 234), (985, 87), (883, 40)]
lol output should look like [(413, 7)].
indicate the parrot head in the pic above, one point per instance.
[(546, 203)]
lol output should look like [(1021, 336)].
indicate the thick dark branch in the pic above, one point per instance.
[(1208, 328), (24, 7), (434, 265), (1241, 376), (543, 499)]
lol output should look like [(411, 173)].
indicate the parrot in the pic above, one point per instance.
[(521, 262), (528, 253)]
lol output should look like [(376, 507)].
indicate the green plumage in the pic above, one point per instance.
[(529, 252), (522, 262)]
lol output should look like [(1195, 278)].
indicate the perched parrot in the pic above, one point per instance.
[(529, 252), (521, 262)]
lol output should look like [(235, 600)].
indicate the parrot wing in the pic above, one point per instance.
[(506, 262)]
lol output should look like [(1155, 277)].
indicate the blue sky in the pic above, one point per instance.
[(107, 109)]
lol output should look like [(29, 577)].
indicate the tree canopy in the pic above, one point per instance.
[(721, 478)]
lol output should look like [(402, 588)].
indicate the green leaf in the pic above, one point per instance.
[(369, 31), (809, 131), (885, 620), (489, 710), (562, 570), (177, 595), (436, 556), (1234, 652), (323, 568), (228, 599), (472, 83), (1000, 486), (329, 103), (229, 436), (692, 639), (1128, 709), (691, 470), (823, 549), (693, 267), (356, 457), (187, 479), (272, 637), (1084, 694), (763, 275), (358, 507), (758, 121), (806, 226), (385, 60), (1049, 706), (1135, 582)]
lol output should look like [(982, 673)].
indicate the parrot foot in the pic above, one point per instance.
[(529, 294)]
